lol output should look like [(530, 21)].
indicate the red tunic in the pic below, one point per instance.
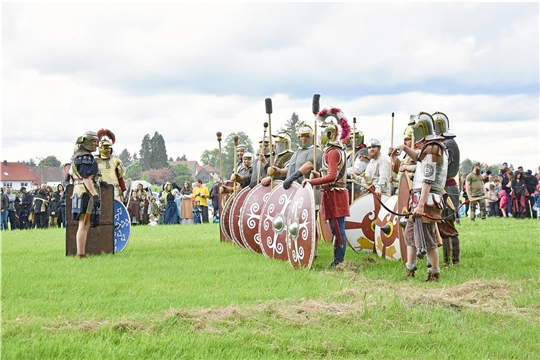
[(335, 199)]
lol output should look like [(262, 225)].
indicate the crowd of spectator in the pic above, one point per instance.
[(174, 205), (41, 207), (508, 193)]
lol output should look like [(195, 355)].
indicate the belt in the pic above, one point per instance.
[(78, 182)]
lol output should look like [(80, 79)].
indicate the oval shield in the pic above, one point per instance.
[(360, 226), (250, 215), (222, 198), (122, 226), (301, 224), (404, 188), (224, 219), (273, 222), (234, 216), (387, 242)]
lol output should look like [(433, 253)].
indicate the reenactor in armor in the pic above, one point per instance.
[(240, 150), (447, 229), (354, 164), (110, 167), (262, 162), (282, 147), (86, 202), (243, 172), (335, 196), (406, 163), (426, 198)]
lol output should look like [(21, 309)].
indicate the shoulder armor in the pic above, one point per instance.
[(434, 148)]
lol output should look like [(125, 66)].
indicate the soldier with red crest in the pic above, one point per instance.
[(110, 167), (335, 196)]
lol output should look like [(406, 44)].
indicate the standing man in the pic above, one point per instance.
[(4, 208), (474, 186), (86, 203), (201, 194), (426, 195), (261, 163), (377, 172), (335, 196), (530, 183), (24, 209), (447, 228), (110, 167), (240, 150), (12, 215)]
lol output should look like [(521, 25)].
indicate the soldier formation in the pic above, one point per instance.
[(357, 194)]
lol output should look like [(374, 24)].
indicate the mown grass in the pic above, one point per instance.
[(176, 292)]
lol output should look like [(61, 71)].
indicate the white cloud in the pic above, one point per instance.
[(188, 70)]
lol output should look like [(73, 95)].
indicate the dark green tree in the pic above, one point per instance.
[(50, 161), (146, 153), (183, 158), (30, 162), (159, 152), (291, 127), (125, 157)]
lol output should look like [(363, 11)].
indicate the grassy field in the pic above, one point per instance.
[(176, 292)]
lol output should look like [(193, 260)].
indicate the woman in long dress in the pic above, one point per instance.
[(187, 205)]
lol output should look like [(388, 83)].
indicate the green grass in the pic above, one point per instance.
[(176, 292)]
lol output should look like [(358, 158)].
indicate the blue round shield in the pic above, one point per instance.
[(122, 226)]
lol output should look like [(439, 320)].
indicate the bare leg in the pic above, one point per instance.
[(82, 233)]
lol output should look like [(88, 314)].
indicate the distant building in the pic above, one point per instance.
[(52, 176), (204, 173), (16, 175)]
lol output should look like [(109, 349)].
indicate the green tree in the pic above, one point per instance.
[(181, 173), (30, 162), (291, 127), (134, 171), (159, 152), (211, 157), (146, 153), (183, 158), (50, 161), (125, 157)]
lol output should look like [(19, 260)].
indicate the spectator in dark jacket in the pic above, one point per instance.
[(530, 184)]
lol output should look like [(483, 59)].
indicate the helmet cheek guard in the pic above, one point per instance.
[(305, 130), (423, 129)]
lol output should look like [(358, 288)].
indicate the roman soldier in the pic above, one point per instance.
[(110, 167), (335, 196), (447, 229), (86, 203), (426, 198)]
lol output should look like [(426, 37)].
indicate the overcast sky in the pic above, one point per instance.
[(189, 70)]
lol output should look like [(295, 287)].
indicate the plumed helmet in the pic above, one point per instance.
[(423, 128), (303, 130), (86, 140), (283, 142), (106, 140), (331, 132), (442, 125)]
